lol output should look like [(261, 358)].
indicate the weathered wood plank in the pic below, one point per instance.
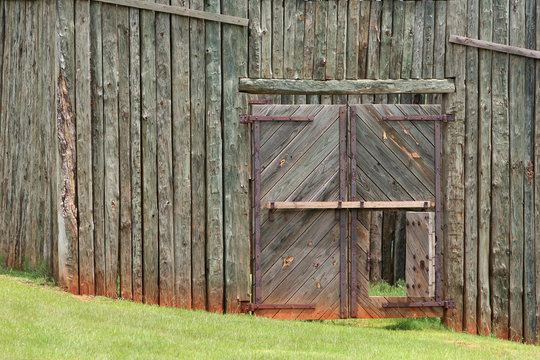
[(429, 37), (484, 171), (299, 46), (68, 260), (346, 87), (471, 177), (352, 46), (181, 157), (420, 254), (84, 148), (319, 51), (388, 234), (396, 47), (488, 45), (331, 45), (418, 49), (236, 164), (110, 148), (385, 39), (149, 156), (375, 247), (516, 113), (500, 178), (177, 10), (277, 42), (214, 165), (408, 46), (135, 152), (98, 157), (537, 178), (198, 181), (289, 22), (439, 45), (341, 46), (124, 119), (374, 45), (452, 183), (164, 158), (309, 44), (529, 300)]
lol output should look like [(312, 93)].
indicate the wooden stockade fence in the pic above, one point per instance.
[(123, 155)]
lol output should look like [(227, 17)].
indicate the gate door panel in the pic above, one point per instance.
[(394, 162), (300, 252)]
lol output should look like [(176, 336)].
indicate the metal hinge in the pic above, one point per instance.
[(447, 304)]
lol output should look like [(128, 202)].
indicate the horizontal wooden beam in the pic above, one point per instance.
[(314, 205), (346, 87), (179, 10), (488, 45)]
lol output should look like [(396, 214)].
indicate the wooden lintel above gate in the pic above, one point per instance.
[(315, 205)]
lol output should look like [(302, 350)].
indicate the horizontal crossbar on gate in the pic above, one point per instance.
[(314, 205), (443, 118), (248, 119)]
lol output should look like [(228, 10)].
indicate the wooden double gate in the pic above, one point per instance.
[(318, 170)]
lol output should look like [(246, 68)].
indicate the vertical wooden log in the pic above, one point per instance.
[(418, 47), (408, 45), (198, 181), (266, 39), (331, 46), (68, 260), (149, 157), (124, 121), (374, 45), (352, 54), (236, 161), (400, 246), (517, 168), (298, 46), (471, 175), (289, 32), (341, 46), (164, 158), (214, 164), (277, 42), (429, 37), (385, 37), (452, 181), (309, 41), (135, 152), (98, 157), (388, 236), (110, 148), (439, 44), (255, 38), (319, 51), (500, 173), (529, 300), (84, 148), (398, 23), (181, 157), (375, 247), (484, 171), (537, 177)]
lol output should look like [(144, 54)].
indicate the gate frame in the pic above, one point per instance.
[(346, 292)]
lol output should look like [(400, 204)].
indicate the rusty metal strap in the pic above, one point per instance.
[(247, 306), (248, 119), (447, 304), (443, 118)]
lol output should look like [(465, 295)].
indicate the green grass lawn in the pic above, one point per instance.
[(40, 322)]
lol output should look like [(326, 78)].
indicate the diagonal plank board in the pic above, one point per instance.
[(300, 162)]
